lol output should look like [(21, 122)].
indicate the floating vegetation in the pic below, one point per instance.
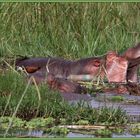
[(117, 99), (103, 133), (57, 131), (83, 122), (49, 127), (38, 123), (16, 122), (134, 128)]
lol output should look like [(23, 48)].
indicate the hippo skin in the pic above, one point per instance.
[(55, 71)]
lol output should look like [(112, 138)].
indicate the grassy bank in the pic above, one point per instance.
[(28, 101), (26, 107), (62, 29), (69, 30)]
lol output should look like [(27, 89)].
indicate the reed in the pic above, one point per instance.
[(70, 30)]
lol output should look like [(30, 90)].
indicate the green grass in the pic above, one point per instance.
[(27, 101), (62, 29), (68, 30), (35, 102)]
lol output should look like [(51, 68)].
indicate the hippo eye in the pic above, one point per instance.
[(96, 63)]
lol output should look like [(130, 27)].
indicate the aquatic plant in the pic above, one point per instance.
[(16, 122), (57, 131), (103, 133), (38, 123), (117, 99)]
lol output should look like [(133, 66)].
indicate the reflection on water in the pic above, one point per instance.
[(130, 103), (75, 135), (126, 135), (36, 133), (40, 134)]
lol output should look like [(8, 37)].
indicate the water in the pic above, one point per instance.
[(130, 104), (41, 134), (126, 135), (78, 135)]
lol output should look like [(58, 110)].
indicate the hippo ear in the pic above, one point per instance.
[(111, 56), (31, 69)]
